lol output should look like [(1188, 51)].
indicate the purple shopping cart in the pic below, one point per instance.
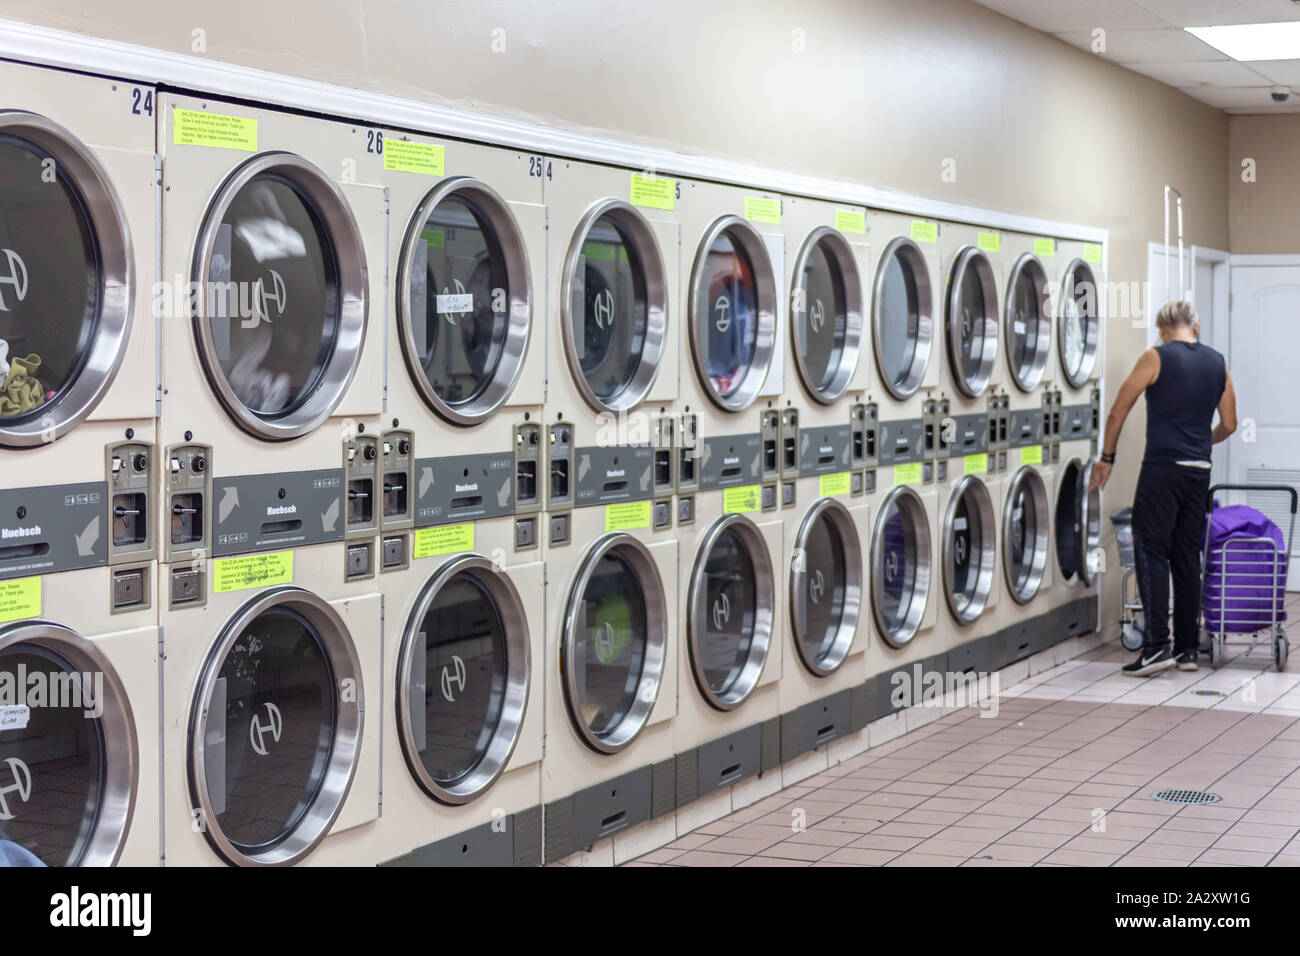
[(1244, 567)]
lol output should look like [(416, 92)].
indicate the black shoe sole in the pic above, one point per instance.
[(1153, 668)]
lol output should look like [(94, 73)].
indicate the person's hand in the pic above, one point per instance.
[(1100, 475)]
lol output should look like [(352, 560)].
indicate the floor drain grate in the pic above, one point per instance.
[(1186, 796)]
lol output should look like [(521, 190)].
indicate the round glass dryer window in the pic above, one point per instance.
[(1024, 534), (615, 309), (1077, 522), (465, 301), (282, 314), (613, 650), (274, 741), (972, 322), (733, 317), (827, 323), (463, 679), (969, 550), (900, 566), (825, 586), (902, 322), (731, 600), (1029, 328), (65, 277), (67, 751), (1080, 323)]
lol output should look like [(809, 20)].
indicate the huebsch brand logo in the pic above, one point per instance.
[(615, 473), (721, 612), (16, 783), (257, 730), (603, 307), (281, 509), (31, 532), (131, 911), (453, 673), (16, 278), (276, 295), (723, 307), (472, 486), (817, 318), (816, 586)]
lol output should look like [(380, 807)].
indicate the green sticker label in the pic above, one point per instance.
[(1092, 253), (990, 241), (653, 192), (403, 156), (197, 128), (975, 464), (840, 483), (907, 474), (742, 499), (627, 516), (252, 571), (436, 238), (598, 251), (20, 598), (925, 231), (443, 539), (1031, 455), (851, 220), (762, 209), (1044, 247)]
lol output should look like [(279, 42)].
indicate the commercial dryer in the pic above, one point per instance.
[(79, 713), (273, 341), (273, 714), (78, 342)]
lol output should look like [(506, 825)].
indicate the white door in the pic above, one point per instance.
[(1264, 343)]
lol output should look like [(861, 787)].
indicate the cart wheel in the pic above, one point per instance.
[(1215, 651), (1280, 649), (1206, 642), (1130, 636)]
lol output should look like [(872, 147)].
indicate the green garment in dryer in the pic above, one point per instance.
[(22, 390)]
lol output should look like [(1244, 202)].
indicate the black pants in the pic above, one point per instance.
[(1168, 535)]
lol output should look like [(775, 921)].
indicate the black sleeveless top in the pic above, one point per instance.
[(1181, 402)]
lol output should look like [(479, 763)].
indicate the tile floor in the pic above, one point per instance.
[(1061, 776)]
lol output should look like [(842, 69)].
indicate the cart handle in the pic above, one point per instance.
[(1295, 498)]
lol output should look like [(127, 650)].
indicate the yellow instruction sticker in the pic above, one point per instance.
[(762, 209), (851, 220), (20, 598), (627, 516), (741, 499), (405, 156), (1044, 247), (653, 192), (1031, 455), (840, 483), (252, 571), (907, 474), (197, 128), (1092, 253), (975, 464), (990, 241), (443, 539), (925, 231)]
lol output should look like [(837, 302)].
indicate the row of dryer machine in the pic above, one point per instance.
[(371, 497)]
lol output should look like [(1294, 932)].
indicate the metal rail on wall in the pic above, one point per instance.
[(1182, 286)]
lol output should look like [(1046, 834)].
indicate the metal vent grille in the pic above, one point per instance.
[(1194, 797)]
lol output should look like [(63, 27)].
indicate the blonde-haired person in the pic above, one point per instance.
[(1185, 383)]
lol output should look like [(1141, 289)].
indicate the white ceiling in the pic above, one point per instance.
[(1148, 36)]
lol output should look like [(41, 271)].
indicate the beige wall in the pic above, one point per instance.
[(883, 93), (1263, 215)]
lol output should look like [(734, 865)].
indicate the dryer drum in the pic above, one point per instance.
[(1025, 525), (1080, 323), (614, 643), (972, 321), (730, 614), (826, 320), (69, 763), (1028, 322), (902, 317), (825, 586), (1077, 521), (464, 301), (614, 306), (280, 317), (66, 280), (900, 566), (275, 729), (462, 679), (732, 313), (969, 549)]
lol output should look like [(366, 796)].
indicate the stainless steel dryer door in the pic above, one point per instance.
[(69, 764), (902, 317), (826, 315), (1079, 330), (900, 566), (1028, 322), (969, 549), (972, 311), (1078, 522), (1025, 534)]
